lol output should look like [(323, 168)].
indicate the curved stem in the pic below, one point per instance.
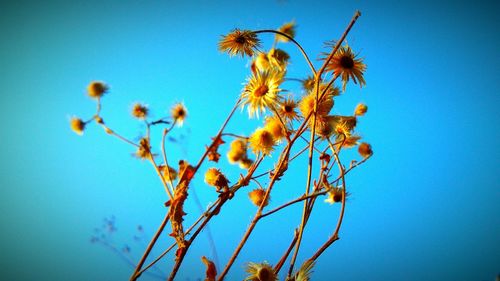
[(292, 40)]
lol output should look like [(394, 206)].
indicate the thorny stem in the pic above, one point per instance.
[(137, 271), (292, 40)]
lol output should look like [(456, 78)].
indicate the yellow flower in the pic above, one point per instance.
[(365, 150), (262, 141), (179, 113), (260, 272), (245, 163), (262, 91), (287, 28), (323, 128), (343, 125), (239, 42), (345, 64), (261, 63), (166, 171), (139, 111), (144, 150), (287, 110), (275, 127), (96, 89), (360, 110), (215, 178), (306, 105), (237, 151), (77, 125), (350, 141), (308, 83), (278, 58), (257, 197), (335, 195)]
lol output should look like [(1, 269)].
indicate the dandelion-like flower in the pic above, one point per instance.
[(239, 42), (262, 91), (215, 178), (278, 58), (275, 126), (168, 171), (245, 163), (237, 151), (260, 63), (96, 89), (257, 197), (308, 83), (144, 149), (179, 113), (345, 64), (288, 110), (260, 272), (287, 28), (360, 109), (262, 141), (77, 125), (140, 111), (306, 105), (365, 150), (335, 195)]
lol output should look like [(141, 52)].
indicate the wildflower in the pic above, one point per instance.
[(239, 42), (306, 105), (360, 110), (278, 58), (96, 89), (77, 125), (343, 125), (345, 64), (237, 151), (140, 111), (257, 197), (262, 91), (308, 83), (335, 195), (350, 141), (245, 163), (261, 63), (287, 28), (215, 178), (144, 150), (260, 272), (323, 127), (179, 113), (262, 141), (365, 150), (275, 126), (169, 173), (287, 110), (305, 271)]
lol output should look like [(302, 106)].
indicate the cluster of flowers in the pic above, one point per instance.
[(285, 119)]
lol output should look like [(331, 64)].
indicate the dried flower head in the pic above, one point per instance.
[(140, 111), (245, 163), (335, 195), (257, 197), (169, 173), (260, 272), (324, 127), (345, 64), (179, 113), (96, 89), (262, 91), (306, 105), (275, 126), (237, 150), (144, 149), (262, 141), (239, 42), (77, 125), (308, 83), (215, 178), (278, 58), (287, 28), (288, 110), (365, 150), (350, 141), (360, 110)]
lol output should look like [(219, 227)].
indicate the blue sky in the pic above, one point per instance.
[(423, 208)]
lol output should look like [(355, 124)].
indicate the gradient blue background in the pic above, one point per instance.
[(425, 207)]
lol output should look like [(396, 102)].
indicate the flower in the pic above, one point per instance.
[(287, 110), (257, 197), (237, 151), (262, 91), (360, 110), (96, 89), (278, 58), (169, 173), (275, 126), (260, 63), (215, 178), (179, 113), (365, 150), (144, 150), (239, 42), (260, 272), (287, 28), (345, 64), (262, 141), (308, 83), (306, 105), (140, 111), (77, 125), (350, 141), (245, 163), (335, 195)]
